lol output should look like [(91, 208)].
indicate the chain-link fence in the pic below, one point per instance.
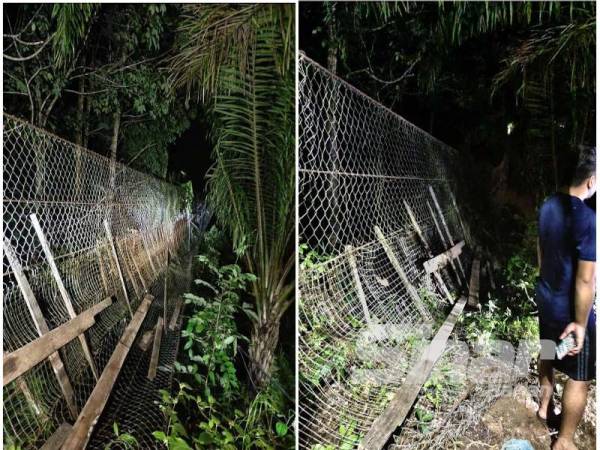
[(75, 194), (375, 202)]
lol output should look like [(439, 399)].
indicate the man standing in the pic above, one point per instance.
[(565, 295)]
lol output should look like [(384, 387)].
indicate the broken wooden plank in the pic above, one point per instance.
[(395, 413), (474, 283), (118, 265), (440, 261), (20, 361), (414, 295), (450, 239), (158, 331), (66, 297), (357, 283), (96, 402), (175, 316), (41, 326), (58, 438)]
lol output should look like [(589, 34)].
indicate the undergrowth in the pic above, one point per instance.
[(213, 405)]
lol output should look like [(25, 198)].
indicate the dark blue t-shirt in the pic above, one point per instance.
[(567, 231)]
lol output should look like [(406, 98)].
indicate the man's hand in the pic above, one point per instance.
[(579, 332)]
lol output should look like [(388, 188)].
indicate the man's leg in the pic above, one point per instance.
[(546, 388), (573, 404)]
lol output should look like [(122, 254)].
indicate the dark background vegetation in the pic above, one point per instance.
[(464, 71)]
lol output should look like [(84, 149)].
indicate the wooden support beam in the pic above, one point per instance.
[(22, 360), (158, 331), (444, 242), (118, 265), (101, 269), (450, 239), (144, 244), (466, 236), (125, 256), (166, 286), (63, 290), (417, 228), (41, 326), (175, 316), (414, 295), (139, 272), (58, 438), (443, 259), (474, 284), (357, 283), (397, 410), (96, 402)]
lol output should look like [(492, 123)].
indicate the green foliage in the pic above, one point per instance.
[(121, 440), (242, 55), (310, 258), (212, 408), (72, 26)]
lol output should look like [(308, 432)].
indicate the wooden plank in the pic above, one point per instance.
[(20, 361), (175, 316), (95, 404), (41, 326), (158, 331), (450, 239), (357, 283), (474, 283), (140, 274), (466, 235), (58, 438), (395, 413), (416, 298), (166, 286), (148, 254), (116, 261), (125, 256), (436, 275), (440, 261), (63, 290), (101, 269), (443, 239)]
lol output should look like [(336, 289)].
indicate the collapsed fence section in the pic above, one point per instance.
[(80, 231), (384, 254)]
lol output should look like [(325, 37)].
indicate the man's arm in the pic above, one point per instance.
[(584, 299)]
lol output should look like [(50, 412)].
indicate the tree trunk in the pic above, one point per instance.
[(263, 341), (113, 147), (113, 162), (79, 135)]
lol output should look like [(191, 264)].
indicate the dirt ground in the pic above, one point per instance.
[(514, 417)]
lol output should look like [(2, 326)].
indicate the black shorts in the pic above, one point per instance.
[(581, 367)]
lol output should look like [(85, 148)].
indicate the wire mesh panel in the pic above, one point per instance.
[(366, 303), (75, 194)]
